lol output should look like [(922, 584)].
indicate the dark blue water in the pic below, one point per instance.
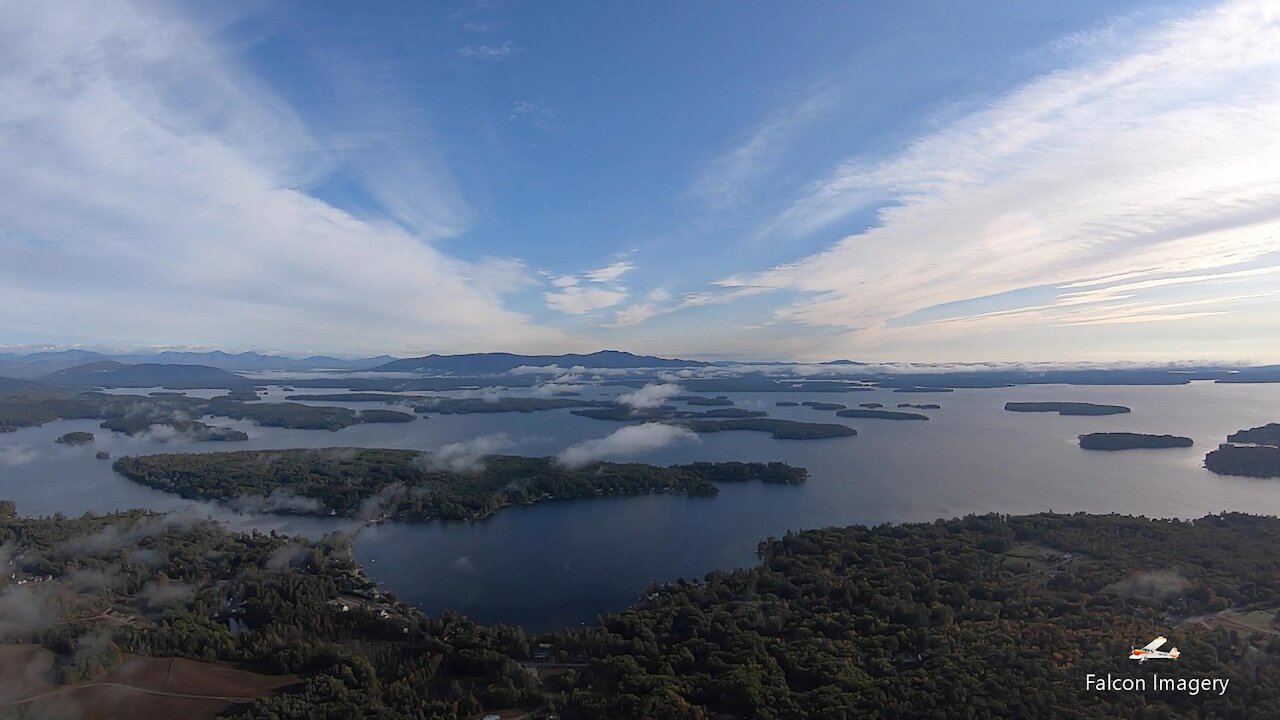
[(560, 564)]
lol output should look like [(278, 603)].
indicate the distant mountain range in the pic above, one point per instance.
[(489, 363), (32, 365), (82, 368)]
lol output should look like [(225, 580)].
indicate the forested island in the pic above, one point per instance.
[(1131, 441), (823, 405), (1262, 461), (1268, 434), (414, 486), (996, 616), (76, 438), (1066, 408), (779, 429), (880, 414), (921, 406), (721, 420)]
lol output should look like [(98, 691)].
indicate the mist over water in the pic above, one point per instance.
[(562, 563)]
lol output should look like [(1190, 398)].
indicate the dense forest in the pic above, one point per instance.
[(986, 616), (980, 617), (409, 485)]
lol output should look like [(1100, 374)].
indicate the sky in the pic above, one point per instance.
[(931, 181)]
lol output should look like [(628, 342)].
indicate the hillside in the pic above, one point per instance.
[(112, 374)]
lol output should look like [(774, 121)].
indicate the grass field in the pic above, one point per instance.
[(140, 688)]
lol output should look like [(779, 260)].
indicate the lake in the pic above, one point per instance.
[(562, 563)]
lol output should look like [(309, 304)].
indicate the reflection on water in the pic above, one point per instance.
[(562, 563)]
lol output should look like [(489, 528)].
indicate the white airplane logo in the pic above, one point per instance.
[(1149, 651)]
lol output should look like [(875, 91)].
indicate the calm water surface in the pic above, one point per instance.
[(560, 564)]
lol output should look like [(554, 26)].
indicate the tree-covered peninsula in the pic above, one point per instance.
[(409, 485), (985, 616)]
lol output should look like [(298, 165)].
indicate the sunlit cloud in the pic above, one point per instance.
[(136, 148), (1132, 169)]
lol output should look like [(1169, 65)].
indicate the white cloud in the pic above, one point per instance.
[(649, 396), (626, 442), (466, 456), (609, 273), (135, 148), (577, 300), (492, 53), (1153, 163), (604, 290), (14, 455)]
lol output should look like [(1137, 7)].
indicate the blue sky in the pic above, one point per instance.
[(897, 181)]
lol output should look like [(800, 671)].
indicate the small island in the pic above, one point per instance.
[(921, 406), (407, 485), (787, 403), (823, 405), (718, 400), (1066, 408), (76, 438), (881, 415), (871, 406), (1131, 441)]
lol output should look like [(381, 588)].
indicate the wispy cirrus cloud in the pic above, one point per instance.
[(136, 147), (728, 180), (1145, 167)]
